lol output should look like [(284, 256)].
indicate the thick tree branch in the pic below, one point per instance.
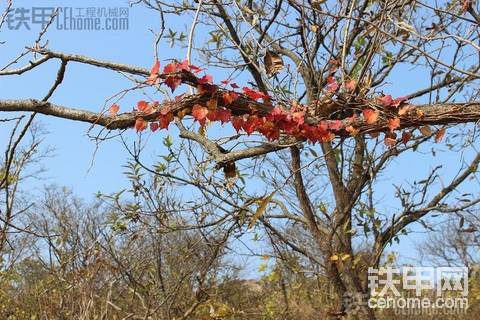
[(433, 114)]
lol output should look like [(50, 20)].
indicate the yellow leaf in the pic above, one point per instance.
[(334, 257), (345, 256), (261, 209)]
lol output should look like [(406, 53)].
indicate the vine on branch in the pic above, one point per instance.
[(341, 111)]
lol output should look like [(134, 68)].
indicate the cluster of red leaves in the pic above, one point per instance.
[(279, 120)]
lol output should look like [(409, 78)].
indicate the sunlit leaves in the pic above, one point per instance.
[(253, 111)]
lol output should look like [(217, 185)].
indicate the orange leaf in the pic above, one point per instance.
[(371, 116), (439, 135), (140, 124), (113, 110), (393, 123)]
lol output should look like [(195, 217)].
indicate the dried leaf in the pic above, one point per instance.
[(439, 135), (426, 131), (230, 170), (262, 207), (273, 63)]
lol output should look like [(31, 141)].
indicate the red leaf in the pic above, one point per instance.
[(386, 101), (143, 106), (153, 78), (335, 125), (270, 130), (184, 65), (211, 115), (155, 68), (205, 79), (332, 84), (237, 123), (229, 97), (250, 124), (113, 110), (234, 86), (154, 126), (225, 82), (393, 123), (406, 135), (195, 69), (439, 135), (140, 124), (254, 94), (165, 120), (371, 116), (173, 82), (169, 68), (223, 115), (199, 113)]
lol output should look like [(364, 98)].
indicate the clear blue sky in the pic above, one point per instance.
[(88, 87)]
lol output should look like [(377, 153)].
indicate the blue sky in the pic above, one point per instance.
[(88, 88)]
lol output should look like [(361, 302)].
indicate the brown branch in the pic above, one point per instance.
[(414, 215), (432, 114)]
